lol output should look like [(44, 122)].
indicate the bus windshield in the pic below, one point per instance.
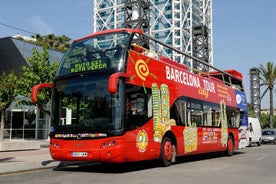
[(83, 105), (102, 52)]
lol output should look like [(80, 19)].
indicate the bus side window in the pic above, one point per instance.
[(195, 113), (194, 117), (239, 117), (198, 117), (233, 117), (175, 114), (207, 115), (182, 110), (216, 118), (178, 112)]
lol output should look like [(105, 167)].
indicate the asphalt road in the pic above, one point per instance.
[(250, 165)]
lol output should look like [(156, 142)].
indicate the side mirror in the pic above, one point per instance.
[(37, 87), (113, 81)]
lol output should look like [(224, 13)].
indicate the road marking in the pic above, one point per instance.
[(263, 157)]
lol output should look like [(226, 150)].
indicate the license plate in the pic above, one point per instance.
[(79, 154)]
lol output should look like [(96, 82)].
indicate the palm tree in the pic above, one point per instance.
[(268, 77)]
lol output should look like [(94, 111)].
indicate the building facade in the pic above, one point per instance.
[(171, 21), (23, 122)]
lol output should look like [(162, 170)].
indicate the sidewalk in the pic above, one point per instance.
[(23, 160)]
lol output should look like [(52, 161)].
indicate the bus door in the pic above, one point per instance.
[(138, 123)]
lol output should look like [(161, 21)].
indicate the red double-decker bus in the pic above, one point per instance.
[(114, 100)]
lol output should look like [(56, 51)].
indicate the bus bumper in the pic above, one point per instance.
[(112, 151)]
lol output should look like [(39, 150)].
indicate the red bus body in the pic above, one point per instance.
[(161, 136)]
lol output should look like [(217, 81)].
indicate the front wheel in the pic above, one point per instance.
[(230, 146), (168, 152)]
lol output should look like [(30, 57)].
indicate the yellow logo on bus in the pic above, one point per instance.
[(142, 69), (142, 141)]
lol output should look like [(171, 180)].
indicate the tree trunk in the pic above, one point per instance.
[(271, 123), (2, 115)]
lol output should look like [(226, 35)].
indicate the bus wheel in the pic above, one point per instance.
[(230, 146), (168, 152)]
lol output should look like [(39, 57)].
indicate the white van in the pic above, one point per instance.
[(255, 131)]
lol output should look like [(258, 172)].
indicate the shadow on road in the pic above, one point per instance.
[(97, 167), (7, 159)]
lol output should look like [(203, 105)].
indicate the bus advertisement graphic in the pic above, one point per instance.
[(161, 111)]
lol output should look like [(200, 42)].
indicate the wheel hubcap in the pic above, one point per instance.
[(168, 151)]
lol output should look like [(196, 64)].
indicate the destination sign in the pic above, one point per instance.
[(88, 66)]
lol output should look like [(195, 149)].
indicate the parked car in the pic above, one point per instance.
[(269, 136)]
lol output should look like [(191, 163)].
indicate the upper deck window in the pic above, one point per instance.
[(97, 53)]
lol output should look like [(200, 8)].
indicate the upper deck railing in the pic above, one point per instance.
[(230, 78)]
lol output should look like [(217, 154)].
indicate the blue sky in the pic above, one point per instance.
[(244, 31), (72, 18), (244, 36)]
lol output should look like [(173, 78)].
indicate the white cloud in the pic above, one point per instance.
[(40, 26)]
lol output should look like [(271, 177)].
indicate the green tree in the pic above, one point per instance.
[(7, 96), (251, 113), (268, 77), (265, 120), (51, 41), (40, 70)]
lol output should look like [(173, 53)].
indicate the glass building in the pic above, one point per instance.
[(171, 21)]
